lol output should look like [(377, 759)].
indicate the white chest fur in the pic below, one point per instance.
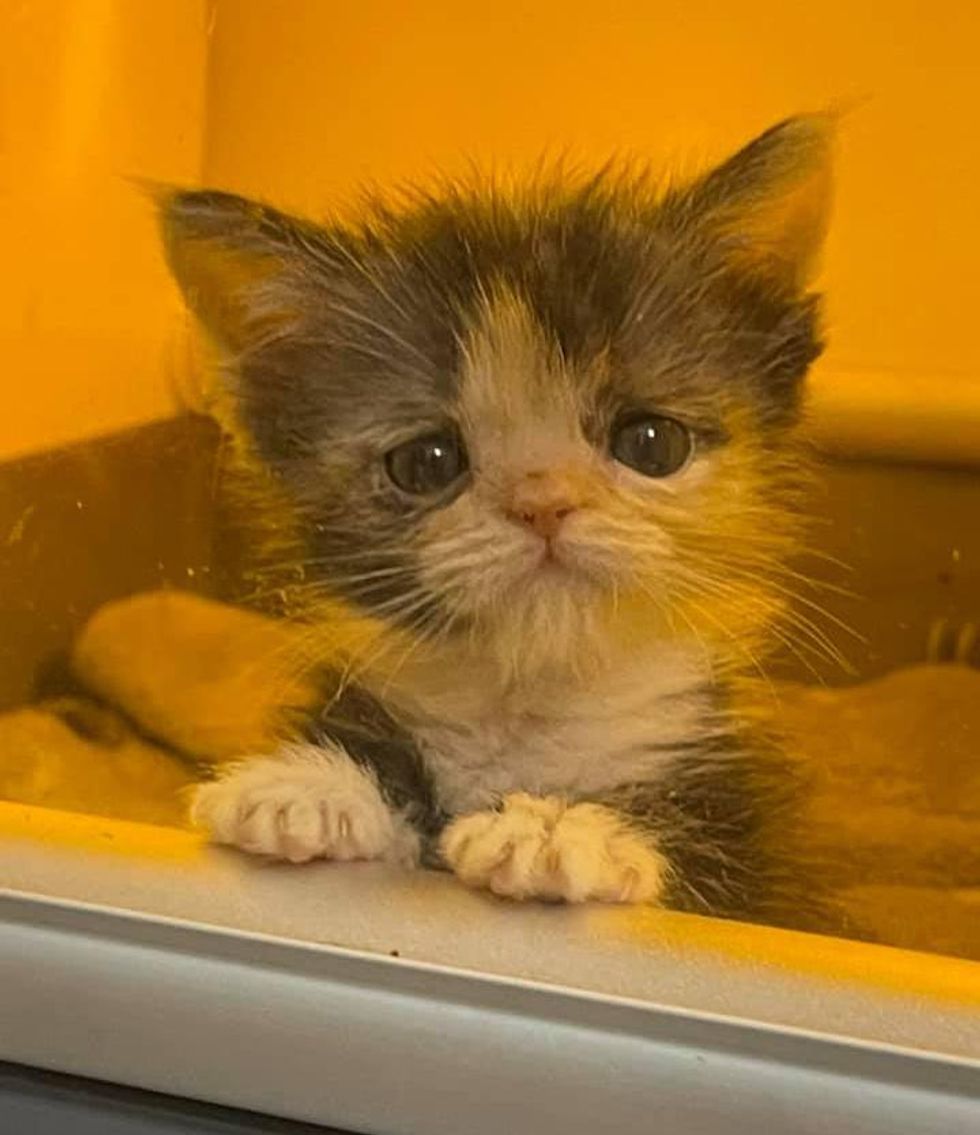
[(563, 737)]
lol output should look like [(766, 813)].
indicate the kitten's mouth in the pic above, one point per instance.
[(555, 559)]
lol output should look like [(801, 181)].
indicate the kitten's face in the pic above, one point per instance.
[(559, 414), (576, 481)]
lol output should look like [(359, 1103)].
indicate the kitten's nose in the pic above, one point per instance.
[(542, 503)]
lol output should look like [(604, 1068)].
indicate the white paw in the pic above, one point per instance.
[(307, 802), (541, 847)]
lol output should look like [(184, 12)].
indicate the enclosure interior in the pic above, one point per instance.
[(110, 482)]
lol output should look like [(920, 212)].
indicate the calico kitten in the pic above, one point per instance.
[(535, 447)]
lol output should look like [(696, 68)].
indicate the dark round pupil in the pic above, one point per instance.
[(427, 464), (652, 445)]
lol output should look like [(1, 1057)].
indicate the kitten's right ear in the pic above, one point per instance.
[(238, 263)]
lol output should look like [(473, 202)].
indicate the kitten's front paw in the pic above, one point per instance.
[(544, 848), (306, 803)]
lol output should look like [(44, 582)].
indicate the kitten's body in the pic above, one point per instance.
[(535, 452)]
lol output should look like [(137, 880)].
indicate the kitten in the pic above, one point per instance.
[(535, 447)]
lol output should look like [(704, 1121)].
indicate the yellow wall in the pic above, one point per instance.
[(305, 105), (91, 92), (308, 98)]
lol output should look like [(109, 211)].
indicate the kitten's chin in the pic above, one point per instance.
[(552, 619)]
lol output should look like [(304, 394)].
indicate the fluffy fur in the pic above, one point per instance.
[(534, 666)]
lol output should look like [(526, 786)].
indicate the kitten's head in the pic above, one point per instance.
[(547, 418)]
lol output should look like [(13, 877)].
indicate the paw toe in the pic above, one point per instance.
[(301, 835), (258, 828), (216, 811)]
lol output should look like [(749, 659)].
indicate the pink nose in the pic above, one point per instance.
[(544, 521), (542, 504)]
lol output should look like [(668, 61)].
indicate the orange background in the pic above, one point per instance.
[(302, 100)]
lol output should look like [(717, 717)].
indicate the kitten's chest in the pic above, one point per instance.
[(570, 742)]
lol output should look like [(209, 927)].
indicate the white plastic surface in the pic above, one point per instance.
[(273, 989)]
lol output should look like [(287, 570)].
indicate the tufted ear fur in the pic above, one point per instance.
[(769, 204), (244, 268)]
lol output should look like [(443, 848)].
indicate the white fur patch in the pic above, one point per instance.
[(542, 848), (570, 738), (307, 802)]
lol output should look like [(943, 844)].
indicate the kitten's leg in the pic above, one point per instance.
[(309, 801), (547, 848)]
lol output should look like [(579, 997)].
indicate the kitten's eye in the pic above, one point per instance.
[(651, 444), (427, 464)]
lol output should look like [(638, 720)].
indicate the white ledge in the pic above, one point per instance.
[(136, 955)]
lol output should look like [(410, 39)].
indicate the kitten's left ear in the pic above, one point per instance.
[(769, 204)]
